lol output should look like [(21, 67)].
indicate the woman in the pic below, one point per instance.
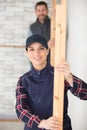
[(34, 92)]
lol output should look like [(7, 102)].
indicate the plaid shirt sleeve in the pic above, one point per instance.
[(79, 88), (22, 107)]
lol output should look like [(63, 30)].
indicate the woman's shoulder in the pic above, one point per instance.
[(25, 75)]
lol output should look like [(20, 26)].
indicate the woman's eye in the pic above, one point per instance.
[(31, 49), (42, 48)]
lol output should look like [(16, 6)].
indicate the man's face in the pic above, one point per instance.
[(41, 12)]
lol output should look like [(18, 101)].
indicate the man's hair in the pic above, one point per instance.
[(41, 3)]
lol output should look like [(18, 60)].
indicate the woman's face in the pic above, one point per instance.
[(37, 55)]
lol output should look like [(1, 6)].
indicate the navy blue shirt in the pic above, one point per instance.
[(34, 97)]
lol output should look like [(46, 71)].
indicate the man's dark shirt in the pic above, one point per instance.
[(42, 29)]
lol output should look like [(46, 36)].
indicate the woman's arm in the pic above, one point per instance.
[(23, 110), (79, 88)]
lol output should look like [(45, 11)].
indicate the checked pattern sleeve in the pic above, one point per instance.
[(22, 107), (79, 88)]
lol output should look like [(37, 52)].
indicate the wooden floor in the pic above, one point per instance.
[(7, 125)]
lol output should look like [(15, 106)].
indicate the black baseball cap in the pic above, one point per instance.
[(36, 38)]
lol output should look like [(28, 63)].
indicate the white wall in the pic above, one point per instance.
[(77, 58)]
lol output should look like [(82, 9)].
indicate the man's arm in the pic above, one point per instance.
[(29, 32)]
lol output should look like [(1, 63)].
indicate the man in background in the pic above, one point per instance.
[(42, 24)]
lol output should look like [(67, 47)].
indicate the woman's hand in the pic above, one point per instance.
[(51, 123), (64, 68)]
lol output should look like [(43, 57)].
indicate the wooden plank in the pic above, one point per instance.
[(60, 40), (53, 20), (12, 46), (10, 120), (53, 33)]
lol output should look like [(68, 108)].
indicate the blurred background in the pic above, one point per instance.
[(15, 18)]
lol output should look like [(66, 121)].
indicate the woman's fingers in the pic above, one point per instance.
[(51, 123)]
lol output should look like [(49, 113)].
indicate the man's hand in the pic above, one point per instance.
[(51, 43)]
